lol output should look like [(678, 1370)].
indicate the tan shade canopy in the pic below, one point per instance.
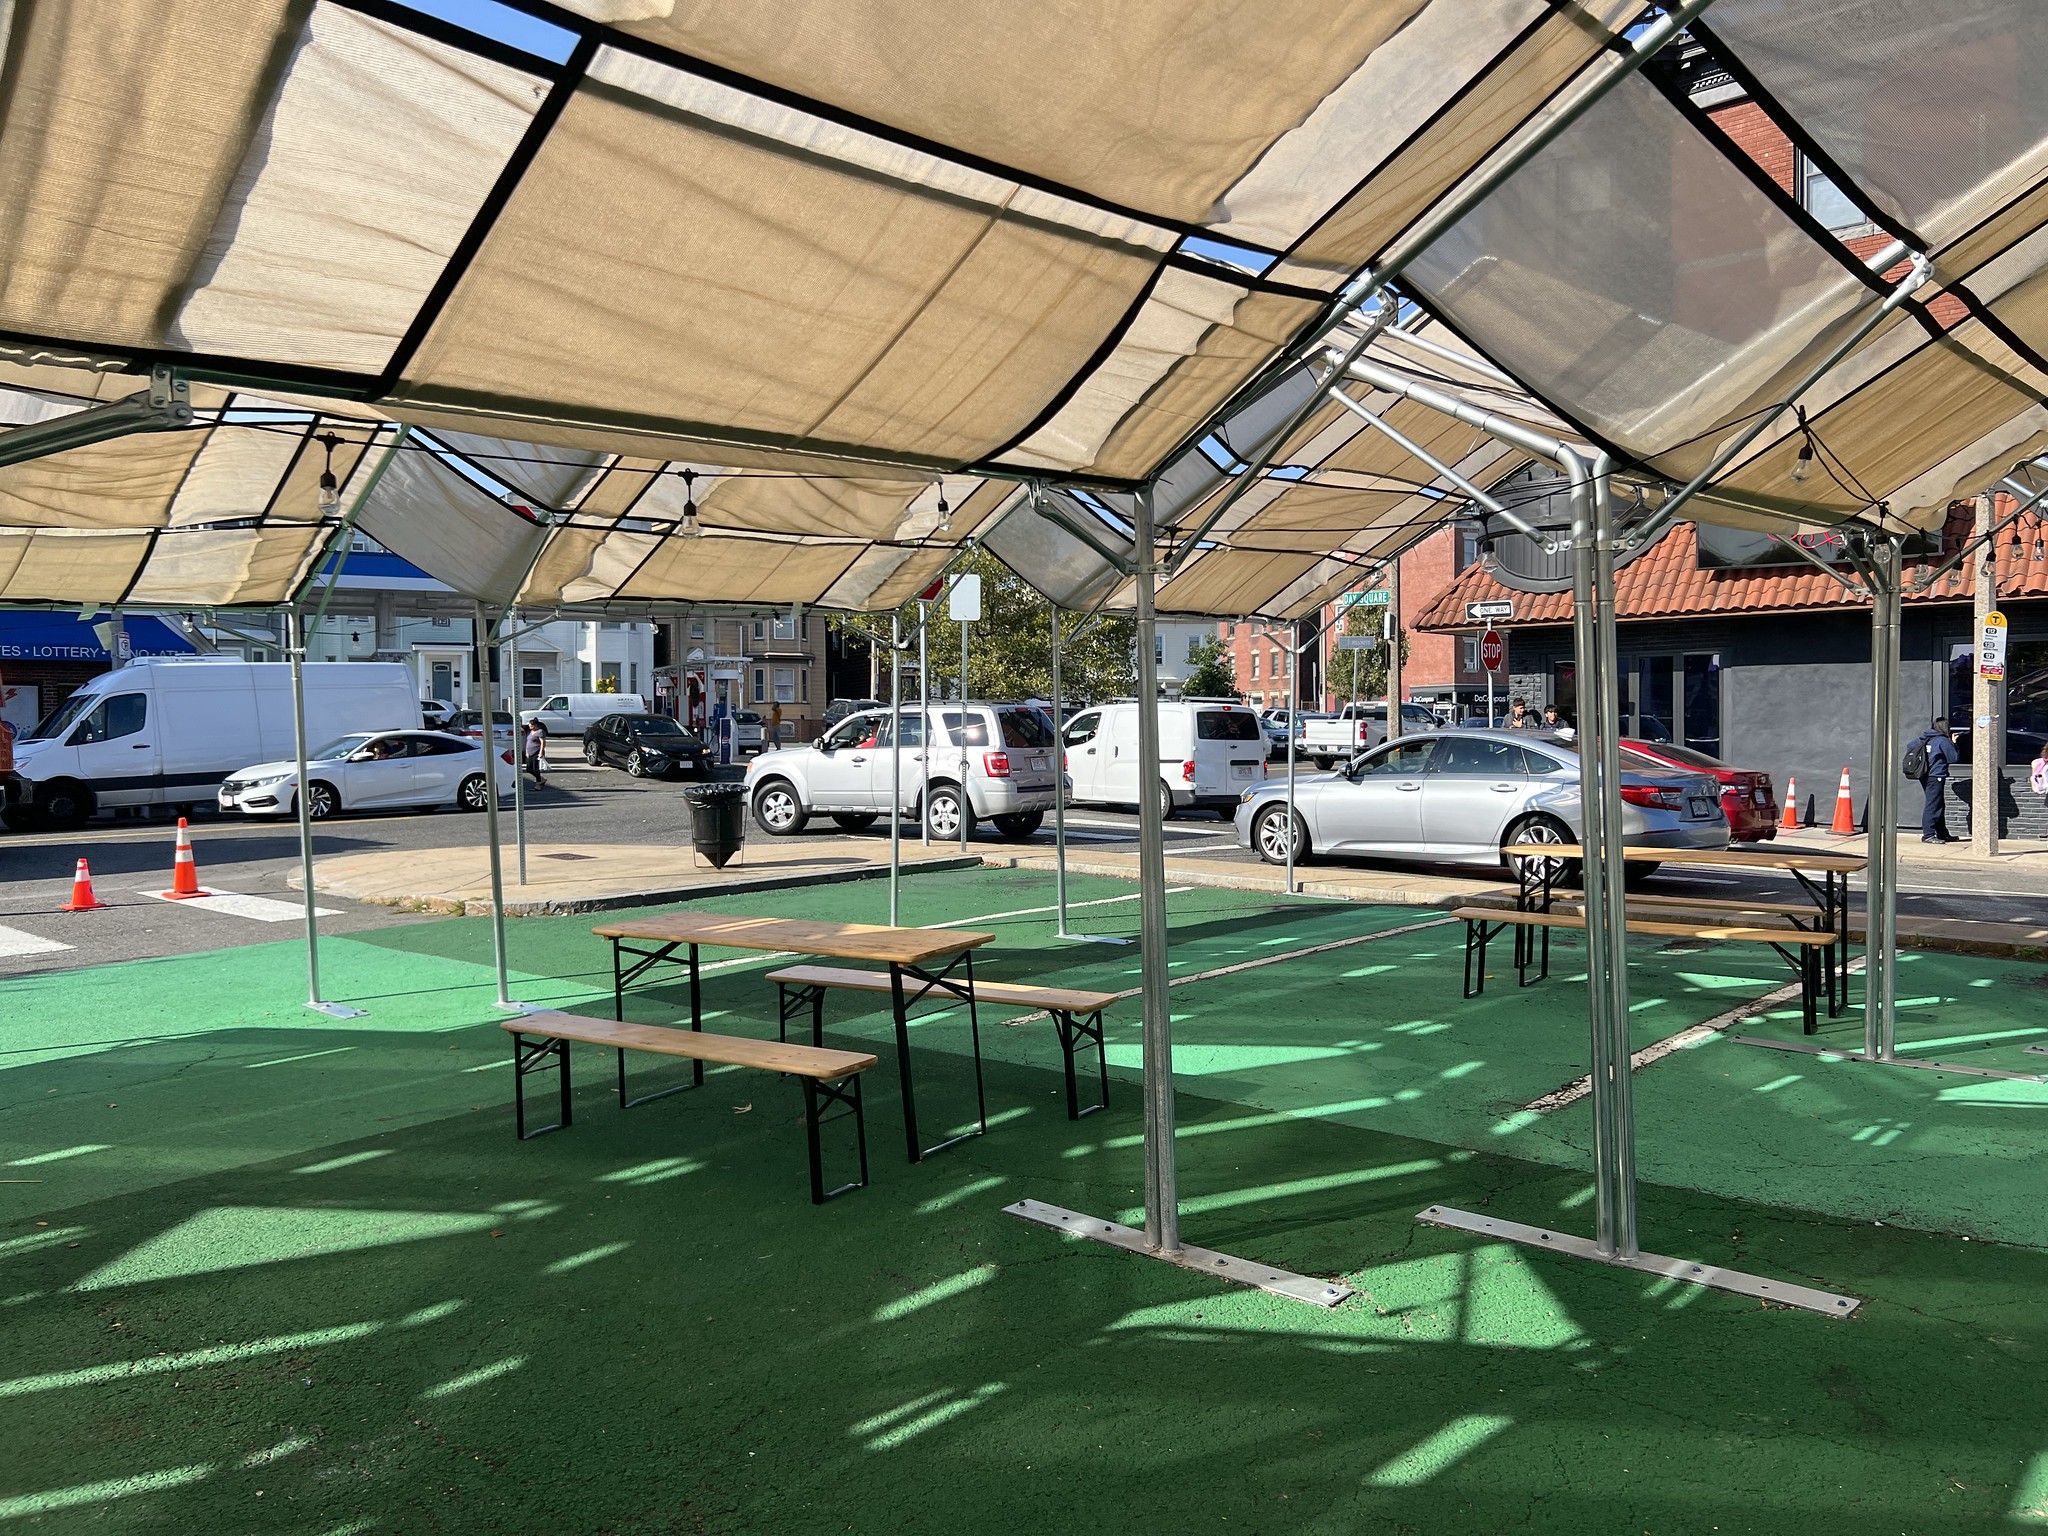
[(943, 237)]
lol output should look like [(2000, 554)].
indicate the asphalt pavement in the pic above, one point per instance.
[(252, 861)]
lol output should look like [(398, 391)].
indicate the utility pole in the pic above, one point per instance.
[(1987, 697)]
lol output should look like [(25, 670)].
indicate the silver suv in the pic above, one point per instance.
[(991, 762)]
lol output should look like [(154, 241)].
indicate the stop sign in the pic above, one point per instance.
[(1490, 650)]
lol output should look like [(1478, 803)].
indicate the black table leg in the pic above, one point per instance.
[(902, 1013), (696, 1014)]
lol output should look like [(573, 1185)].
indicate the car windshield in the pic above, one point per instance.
[(60, 720), (1226, 725), (651, 727), (746, 717), (339, 748), (1025, 728)]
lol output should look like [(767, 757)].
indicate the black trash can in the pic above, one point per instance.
[(718, 820)]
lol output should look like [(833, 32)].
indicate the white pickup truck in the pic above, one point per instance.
[(1354, 728)]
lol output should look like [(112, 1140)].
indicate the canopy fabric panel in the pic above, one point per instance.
[(725, 233)]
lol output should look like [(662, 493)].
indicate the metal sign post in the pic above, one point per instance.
[(1491, 654), (963, 605)]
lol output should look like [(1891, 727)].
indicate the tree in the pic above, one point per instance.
[(1362, 674), (1212, 674)]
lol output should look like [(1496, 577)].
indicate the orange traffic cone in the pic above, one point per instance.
[(1845, 810), (184, 873), (82, 898), (1790, 820)]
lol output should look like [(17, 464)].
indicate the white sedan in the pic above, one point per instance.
[(372, 771)]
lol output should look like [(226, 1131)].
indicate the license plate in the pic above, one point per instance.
[(1702, 809), (1242, 770), (1038, 764)]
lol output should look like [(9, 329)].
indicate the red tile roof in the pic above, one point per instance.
[(1666, 582)]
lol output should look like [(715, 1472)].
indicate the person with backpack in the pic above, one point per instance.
[(1930, 757), (2040, 774)]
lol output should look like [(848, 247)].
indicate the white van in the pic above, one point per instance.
[(571, 714), (167, 730), (1210, 753)]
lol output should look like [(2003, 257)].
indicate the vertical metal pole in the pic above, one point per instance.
[(1489, 677), (296, 638), (518, 756), (1595, 716), (485, 638), (1162, 1200), (1987, 716), (1881, 878), (1059, 784), (1293, 727), (896, 760), (924, 710), (1607, 751), (1394, 688), (964, 802)]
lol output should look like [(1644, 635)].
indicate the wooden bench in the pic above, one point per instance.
[(1076, 1016), (1800, 948), (540, 1043)]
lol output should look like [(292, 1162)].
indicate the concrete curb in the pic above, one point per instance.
[(570, 906)]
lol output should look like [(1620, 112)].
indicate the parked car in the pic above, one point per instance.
[(839, 709), (470, 723), (990, 762), (436, 713), (749, 731), (1459, 797), (168, 730), (1747, 799), (1333, 739), (571, 714), (372, 771), (645, 746), (1209, 752)]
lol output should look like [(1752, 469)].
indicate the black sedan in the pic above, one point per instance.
[(646, 746)]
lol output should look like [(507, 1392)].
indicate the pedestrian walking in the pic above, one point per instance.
[(1929, 758), (536, 753)]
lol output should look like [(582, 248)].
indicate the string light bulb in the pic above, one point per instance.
[(330, 489), (945, 514), (1802, 463), (689, 528)]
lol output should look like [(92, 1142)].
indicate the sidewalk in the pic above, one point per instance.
[(2019, 856), (594, 877)]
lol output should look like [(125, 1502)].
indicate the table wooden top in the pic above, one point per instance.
[(840, 941), (1818, 860)]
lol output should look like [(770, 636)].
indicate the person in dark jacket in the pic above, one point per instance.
[(1941, 760)]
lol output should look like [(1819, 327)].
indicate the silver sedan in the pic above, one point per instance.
[(1458, 797)]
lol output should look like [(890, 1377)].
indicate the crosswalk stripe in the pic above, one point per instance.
[(13, 941), (262, 908)]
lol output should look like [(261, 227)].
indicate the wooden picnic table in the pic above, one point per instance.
[(1536, 875), (922, 962)]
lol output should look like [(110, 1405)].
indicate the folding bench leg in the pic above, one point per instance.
[(847, 1092), (1475, 945), (532, 1058), (1071, 1029), (1809, 989), (791, 1002), (697, 1081)]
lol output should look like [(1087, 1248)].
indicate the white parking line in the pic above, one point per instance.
[(14, 941), (262, 908)]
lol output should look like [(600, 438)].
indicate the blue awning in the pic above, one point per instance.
[(66, 637)]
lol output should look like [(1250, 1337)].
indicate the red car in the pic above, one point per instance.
[(1747, 799)]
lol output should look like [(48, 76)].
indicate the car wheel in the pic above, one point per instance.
[(64, 803), (856, 821), (321, 801), (636, 765), (1165, 801), (947, 814), (1019, 824), (472, 796), (777, 809), (1542, 829), (591, 755), (1269, 836)]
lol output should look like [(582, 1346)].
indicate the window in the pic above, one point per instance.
[(760, 680), (913, 731), (785, 627), (1083, 727), (973, 734), (803, 685), (583, 677), (758, 629), (530, 686), (1279, 662), (1468, 650), (1195, 644), (785, 685), (1824, 200), (1474, 757), (1404, 759), (1158, 651), (122, 715), (1255, 666), (633, 677), (608, 671), (696, 629), (852, 731), (1024, 728), (1226, 724)]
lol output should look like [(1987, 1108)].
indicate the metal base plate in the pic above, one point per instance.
[(1882, 1061), (519, 1008), (1281, 1282), (1091, 938), (339, 1010), (1805, 1297)]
